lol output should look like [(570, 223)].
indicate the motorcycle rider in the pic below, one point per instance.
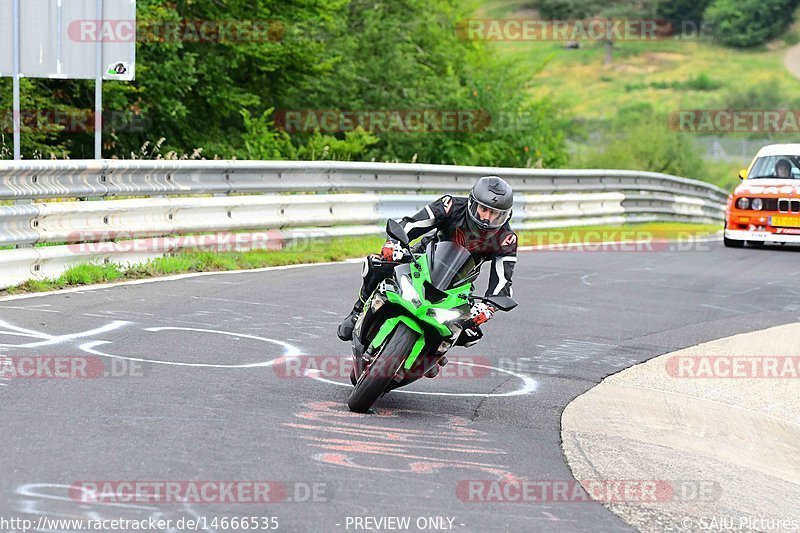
[(479, 223)]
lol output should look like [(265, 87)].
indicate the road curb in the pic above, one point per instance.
[(735, 442)]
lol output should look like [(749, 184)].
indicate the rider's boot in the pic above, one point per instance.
[(348, 324), (372, 276), (433, 372)]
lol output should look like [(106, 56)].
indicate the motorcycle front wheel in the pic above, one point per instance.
[(378, 375)]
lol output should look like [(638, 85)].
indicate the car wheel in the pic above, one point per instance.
[(730, 243)]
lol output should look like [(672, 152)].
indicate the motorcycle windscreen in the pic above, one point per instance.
[(449, 264)]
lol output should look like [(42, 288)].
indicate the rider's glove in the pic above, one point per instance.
[(392, 251), (481, 313)]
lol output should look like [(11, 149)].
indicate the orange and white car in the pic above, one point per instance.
[(766, 206)]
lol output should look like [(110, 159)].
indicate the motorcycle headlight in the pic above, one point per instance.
[(743, 203), (446, 315), (408, 292), (757, 204)]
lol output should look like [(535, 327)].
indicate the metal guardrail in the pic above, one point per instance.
[(73, 179), (294, 200)]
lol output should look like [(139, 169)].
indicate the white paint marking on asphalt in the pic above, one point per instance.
[(89, 348), (29, 332), (16, 334), (30, 308), (718, 308), (538, 278), (62, 338), (30, 489), (235, 301), (289, 349), (529, 386), (176, 277), (572, 307)]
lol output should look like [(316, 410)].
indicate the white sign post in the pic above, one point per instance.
[(67, 39)]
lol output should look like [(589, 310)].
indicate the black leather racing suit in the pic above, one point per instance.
[(448, 216)]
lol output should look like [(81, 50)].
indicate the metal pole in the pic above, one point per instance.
[(98, 88), (60, 40), (16, 104)]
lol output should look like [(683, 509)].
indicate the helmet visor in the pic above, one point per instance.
[(487, 217)]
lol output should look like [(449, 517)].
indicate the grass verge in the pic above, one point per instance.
[(326, 251)]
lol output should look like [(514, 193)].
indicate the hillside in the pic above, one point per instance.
[(669, 74)]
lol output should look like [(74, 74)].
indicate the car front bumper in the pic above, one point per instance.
[(761, 236)]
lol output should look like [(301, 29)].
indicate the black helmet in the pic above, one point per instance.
[(490, 197)]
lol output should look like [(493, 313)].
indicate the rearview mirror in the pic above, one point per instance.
[(503, 303), (743, 174), (396, 232)]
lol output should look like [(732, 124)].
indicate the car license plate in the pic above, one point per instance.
[(785, 222)]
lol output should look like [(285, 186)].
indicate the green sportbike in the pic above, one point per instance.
[(413, 318)]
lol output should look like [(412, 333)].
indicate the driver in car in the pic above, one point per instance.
[(478, 223), (783, 169)]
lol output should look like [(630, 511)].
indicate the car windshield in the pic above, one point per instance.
[(776, 166)]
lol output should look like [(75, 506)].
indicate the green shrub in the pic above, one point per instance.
[(748, 23), (685, 15), (701, 82), (762, 96), (261, 139), (353, 147), (640, 139), (568, 9)]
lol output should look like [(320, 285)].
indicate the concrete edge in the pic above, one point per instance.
[(727, 448)]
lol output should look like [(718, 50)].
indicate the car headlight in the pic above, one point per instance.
[(446, 315), (757, 204), (408, 292), (743, 203)]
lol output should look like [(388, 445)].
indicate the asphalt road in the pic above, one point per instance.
[(215, 407)]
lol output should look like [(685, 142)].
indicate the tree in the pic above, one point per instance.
[(683, 14), (349, 55), (748, 23), (624, 9)]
